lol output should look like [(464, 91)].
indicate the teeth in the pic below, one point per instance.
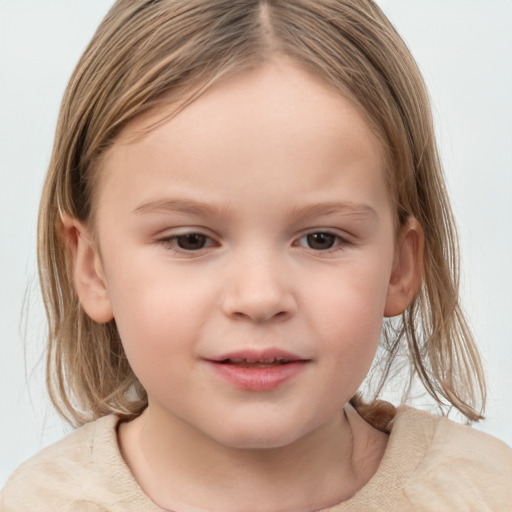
[(268, 360), (236, 360)]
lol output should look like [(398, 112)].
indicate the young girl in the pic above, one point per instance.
[(245, 201)]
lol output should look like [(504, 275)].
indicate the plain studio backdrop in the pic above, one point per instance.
[(464, 48)]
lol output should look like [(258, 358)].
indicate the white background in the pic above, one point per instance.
[(464, 48)]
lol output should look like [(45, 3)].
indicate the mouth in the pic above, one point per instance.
[(258, 358), (268, 362), (258, 370)]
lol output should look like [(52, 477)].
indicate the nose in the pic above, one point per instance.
[(259, 289)]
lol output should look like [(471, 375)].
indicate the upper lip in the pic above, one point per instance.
[(258, 356)]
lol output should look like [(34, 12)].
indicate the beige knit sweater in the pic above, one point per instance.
[(430, 465)]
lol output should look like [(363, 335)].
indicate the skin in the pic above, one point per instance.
[(257, 166)]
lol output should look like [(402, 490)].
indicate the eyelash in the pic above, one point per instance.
[(172, 242), (338, 243)]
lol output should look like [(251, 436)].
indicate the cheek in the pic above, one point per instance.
[(349, 310), (158, 313), (352, 294)]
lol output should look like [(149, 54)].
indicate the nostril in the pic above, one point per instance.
[(260, 316), (258, 296)]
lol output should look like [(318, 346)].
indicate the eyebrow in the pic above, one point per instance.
[(333, 208), (191, 207), (187, 207)]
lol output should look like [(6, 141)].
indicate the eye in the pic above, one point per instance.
[(187, 243), (320, 241), (191, 241)]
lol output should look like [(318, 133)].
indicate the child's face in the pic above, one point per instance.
[(255, 225)]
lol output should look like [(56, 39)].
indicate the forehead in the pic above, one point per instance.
[(254, 124), (279, 79)]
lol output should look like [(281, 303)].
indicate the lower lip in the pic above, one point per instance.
[(259, 378)]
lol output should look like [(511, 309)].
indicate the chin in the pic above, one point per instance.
[(257, 443), (266, 437)]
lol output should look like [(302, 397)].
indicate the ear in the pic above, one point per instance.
[(406, 275), (88, 276)]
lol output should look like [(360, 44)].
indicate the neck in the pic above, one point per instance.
[(185, 471)]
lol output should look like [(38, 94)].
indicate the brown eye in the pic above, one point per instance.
[(191, 242), (321, 241)]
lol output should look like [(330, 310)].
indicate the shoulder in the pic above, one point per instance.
[(432, 464), (84, 472), (455, 467)]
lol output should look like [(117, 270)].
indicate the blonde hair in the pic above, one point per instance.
[(150, 54)]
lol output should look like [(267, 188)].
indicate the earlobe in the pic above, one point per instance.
[(87, 268), (406, 275)]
